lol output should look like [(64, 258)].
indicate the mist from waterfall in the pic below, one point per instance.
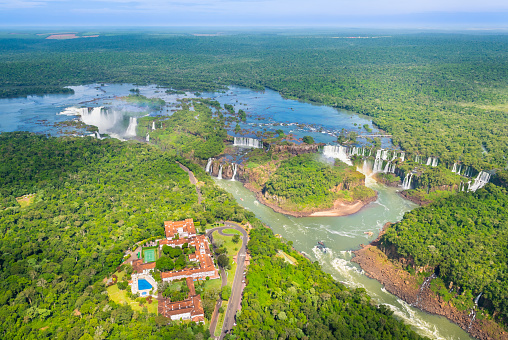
[(107, 120)]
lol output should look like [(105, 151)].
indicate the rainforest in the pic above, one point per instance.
[(433, 120)]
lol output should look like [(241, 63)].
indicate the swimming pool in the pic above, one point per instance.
[(144, 284)]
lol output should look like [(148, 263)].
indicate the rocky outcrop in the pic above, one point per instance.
[(297, 149)]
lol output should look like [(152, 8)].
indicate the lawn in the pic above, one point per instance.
[(211, 284), (120, 297), (231, 247)]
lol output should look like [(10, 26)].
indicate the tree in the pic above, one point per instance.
[(308, 140), (223, 260), (226, 292), (164, 264), (236, 238)]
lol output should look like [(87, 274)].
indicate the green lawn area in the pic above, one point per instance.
[(210, 284), (231, 247), (120, 296), (231, 274), (231, 231)]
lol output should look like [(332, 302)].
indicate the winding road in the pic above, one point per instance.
[(236, 290)]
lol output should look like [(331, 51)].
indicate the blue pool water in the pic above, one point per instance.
[(144, 284)]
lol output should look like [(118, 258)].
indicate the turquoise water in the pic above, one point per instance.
[(341, 235), (266, 111), (144, 284)]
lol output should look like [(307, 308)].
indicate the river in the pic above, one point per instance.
[(266, 111), (341, 235)]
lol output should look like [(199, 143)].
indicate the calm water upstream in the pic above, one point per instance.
[(266, 111)]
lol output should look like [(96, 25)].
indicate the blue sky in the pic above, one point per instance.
[(364, 13)]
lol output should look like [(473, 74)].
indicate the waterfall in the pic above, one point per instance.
[(248, 142), (402, 156), (98, 135), (429, 161), (219, 176), (384, 155), (389, 168), (460, 168), (153, 125), (468, 172), (394, 156), (454, 169), (480, 181), (235, 167), (477, 298), (337, 151), (147, 138), (472, 314), (425, 284), (208, 165), (131, 129), (434, 162), (406, 184)]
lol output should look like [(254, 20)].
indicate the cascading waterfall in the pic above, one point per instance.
[(147, 138), (394, 156), (402, 156), (472, 314), (468, 172), (208, 165), (153, 126), (98, 135), (384, 155), (248, 142), (337, 151), (460, 168), (235, 167), (219, 176), (480, 181), (425, 284), (432, 161), (406, 184), (378, 162), (131, 129), (454, 169), (389, 167)]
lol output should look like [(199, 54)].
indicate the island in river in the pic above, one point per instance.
[(301, 185)]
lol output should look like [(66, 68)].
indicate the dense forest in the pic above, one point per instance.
[(299, 301), (440, 95), (93, 200), (464, 239), (303, 183)]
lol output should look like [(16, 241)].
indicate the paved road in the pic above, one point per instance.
[(236, 291), (192, 179)]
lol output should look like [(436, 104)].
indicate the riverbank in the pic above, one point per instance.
[(340, 208), (402, 284)]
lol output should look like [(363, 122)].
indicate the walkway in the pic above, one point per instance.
[(192, 179)]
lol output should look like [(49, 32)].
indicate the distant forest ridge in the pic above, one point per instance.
[(442, 95)]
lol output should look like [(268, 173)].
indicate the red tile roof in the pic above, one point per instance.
[(179, 227)]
